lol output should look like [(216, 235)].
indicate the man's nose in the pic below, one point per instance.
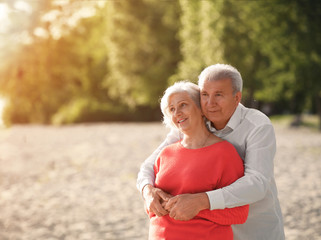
[(211, 100)]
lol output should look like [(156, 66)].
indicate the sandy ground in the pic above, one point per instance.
[(78, 182)]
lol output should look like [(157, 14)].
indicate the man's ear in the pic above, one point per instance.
[(238, 97)]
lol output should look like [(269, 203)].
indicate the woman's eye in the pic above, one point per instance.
[(172, 109)]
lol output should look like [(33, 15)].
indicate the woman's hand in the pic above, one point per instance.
[(155, 199), (184, 207)]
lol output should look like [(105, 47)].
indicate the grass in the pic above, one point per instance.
[(308, 120)]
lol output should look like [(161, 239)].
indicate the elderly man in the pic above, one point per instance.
[(252, 134)]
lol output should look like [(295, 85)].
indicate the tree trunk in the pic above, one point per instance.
[(318, 104), (297, 121)]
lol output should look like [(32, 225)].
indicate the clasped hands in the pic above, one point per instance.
[(182, 207)]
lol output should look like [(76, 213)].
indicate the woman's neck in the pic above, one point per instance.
[(196, 139)]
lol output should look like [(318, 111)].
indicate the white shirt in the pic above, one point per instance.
[(252, 134)]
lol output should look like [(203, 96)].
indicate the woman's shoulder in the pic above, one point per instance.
[(170, 148), (225, 148), (218, 142), (226, 144)]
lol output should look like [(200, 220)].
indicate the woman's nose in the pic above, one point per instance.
[(177, 112)]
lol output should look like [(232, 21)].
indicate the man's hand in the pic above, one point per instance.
[(186, 206), (154, 198)]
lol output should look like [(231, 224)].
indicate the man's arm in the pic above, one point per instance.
[(184, 207), (227, 216), (258, 163), (154, 197), (146, 174)]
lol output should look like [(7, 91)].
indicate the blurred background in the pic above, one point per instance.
[(71, 61), (80, 82)]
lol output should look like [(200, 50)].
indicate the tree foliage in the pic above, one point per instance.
[(116, 63), (200, 44), (143, 49), (293, 48), (51, 73)]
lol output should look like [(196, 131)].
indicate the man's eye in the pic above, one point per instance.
[(204, 94)]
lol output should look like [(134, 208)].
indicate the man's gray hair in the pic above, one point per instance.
[(182, 86), (220, 72)]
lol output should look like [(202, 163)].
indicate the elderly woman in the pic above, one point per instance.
[(198, 163)]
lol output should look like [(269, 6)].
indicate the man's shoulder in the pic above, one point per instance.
[(255, 117)]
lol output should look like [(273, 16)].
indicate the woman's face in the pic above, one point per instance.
[(184, 113)]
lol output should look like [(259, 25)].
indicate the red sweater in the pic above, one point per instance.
[(180, 170)]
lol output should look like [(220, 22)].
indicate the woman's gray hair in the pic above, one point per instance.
[(182, 86), (220, 72)]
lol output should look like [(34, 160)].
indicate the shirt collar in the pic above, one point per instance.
[(232, 123), (236, 117)]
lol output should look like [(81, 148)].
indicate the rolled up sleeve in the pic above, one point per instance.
[(258, 165)]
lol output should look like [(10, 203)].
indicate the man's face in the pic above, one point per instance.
[(218, 101)]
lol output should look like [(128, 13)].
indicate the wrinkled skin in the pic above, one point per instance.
[(154, 198), (181, 207)]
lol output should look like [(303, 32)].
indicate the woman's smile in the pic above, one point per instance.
[(182, 120), (183, 111)]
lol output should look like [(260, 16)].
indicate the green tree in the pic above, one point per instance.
[(275, 45), (220, 32), (143, 50), (290, 38), (53, 72), (200, 35)]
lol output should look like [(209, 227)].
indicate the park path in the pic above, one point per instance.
[(78, 181)]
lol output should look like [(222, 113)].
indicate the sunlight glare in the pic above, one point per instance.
[(4, 18), (3, 11), (84, 12), (23, 6), (2, 105), (41, 32)]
